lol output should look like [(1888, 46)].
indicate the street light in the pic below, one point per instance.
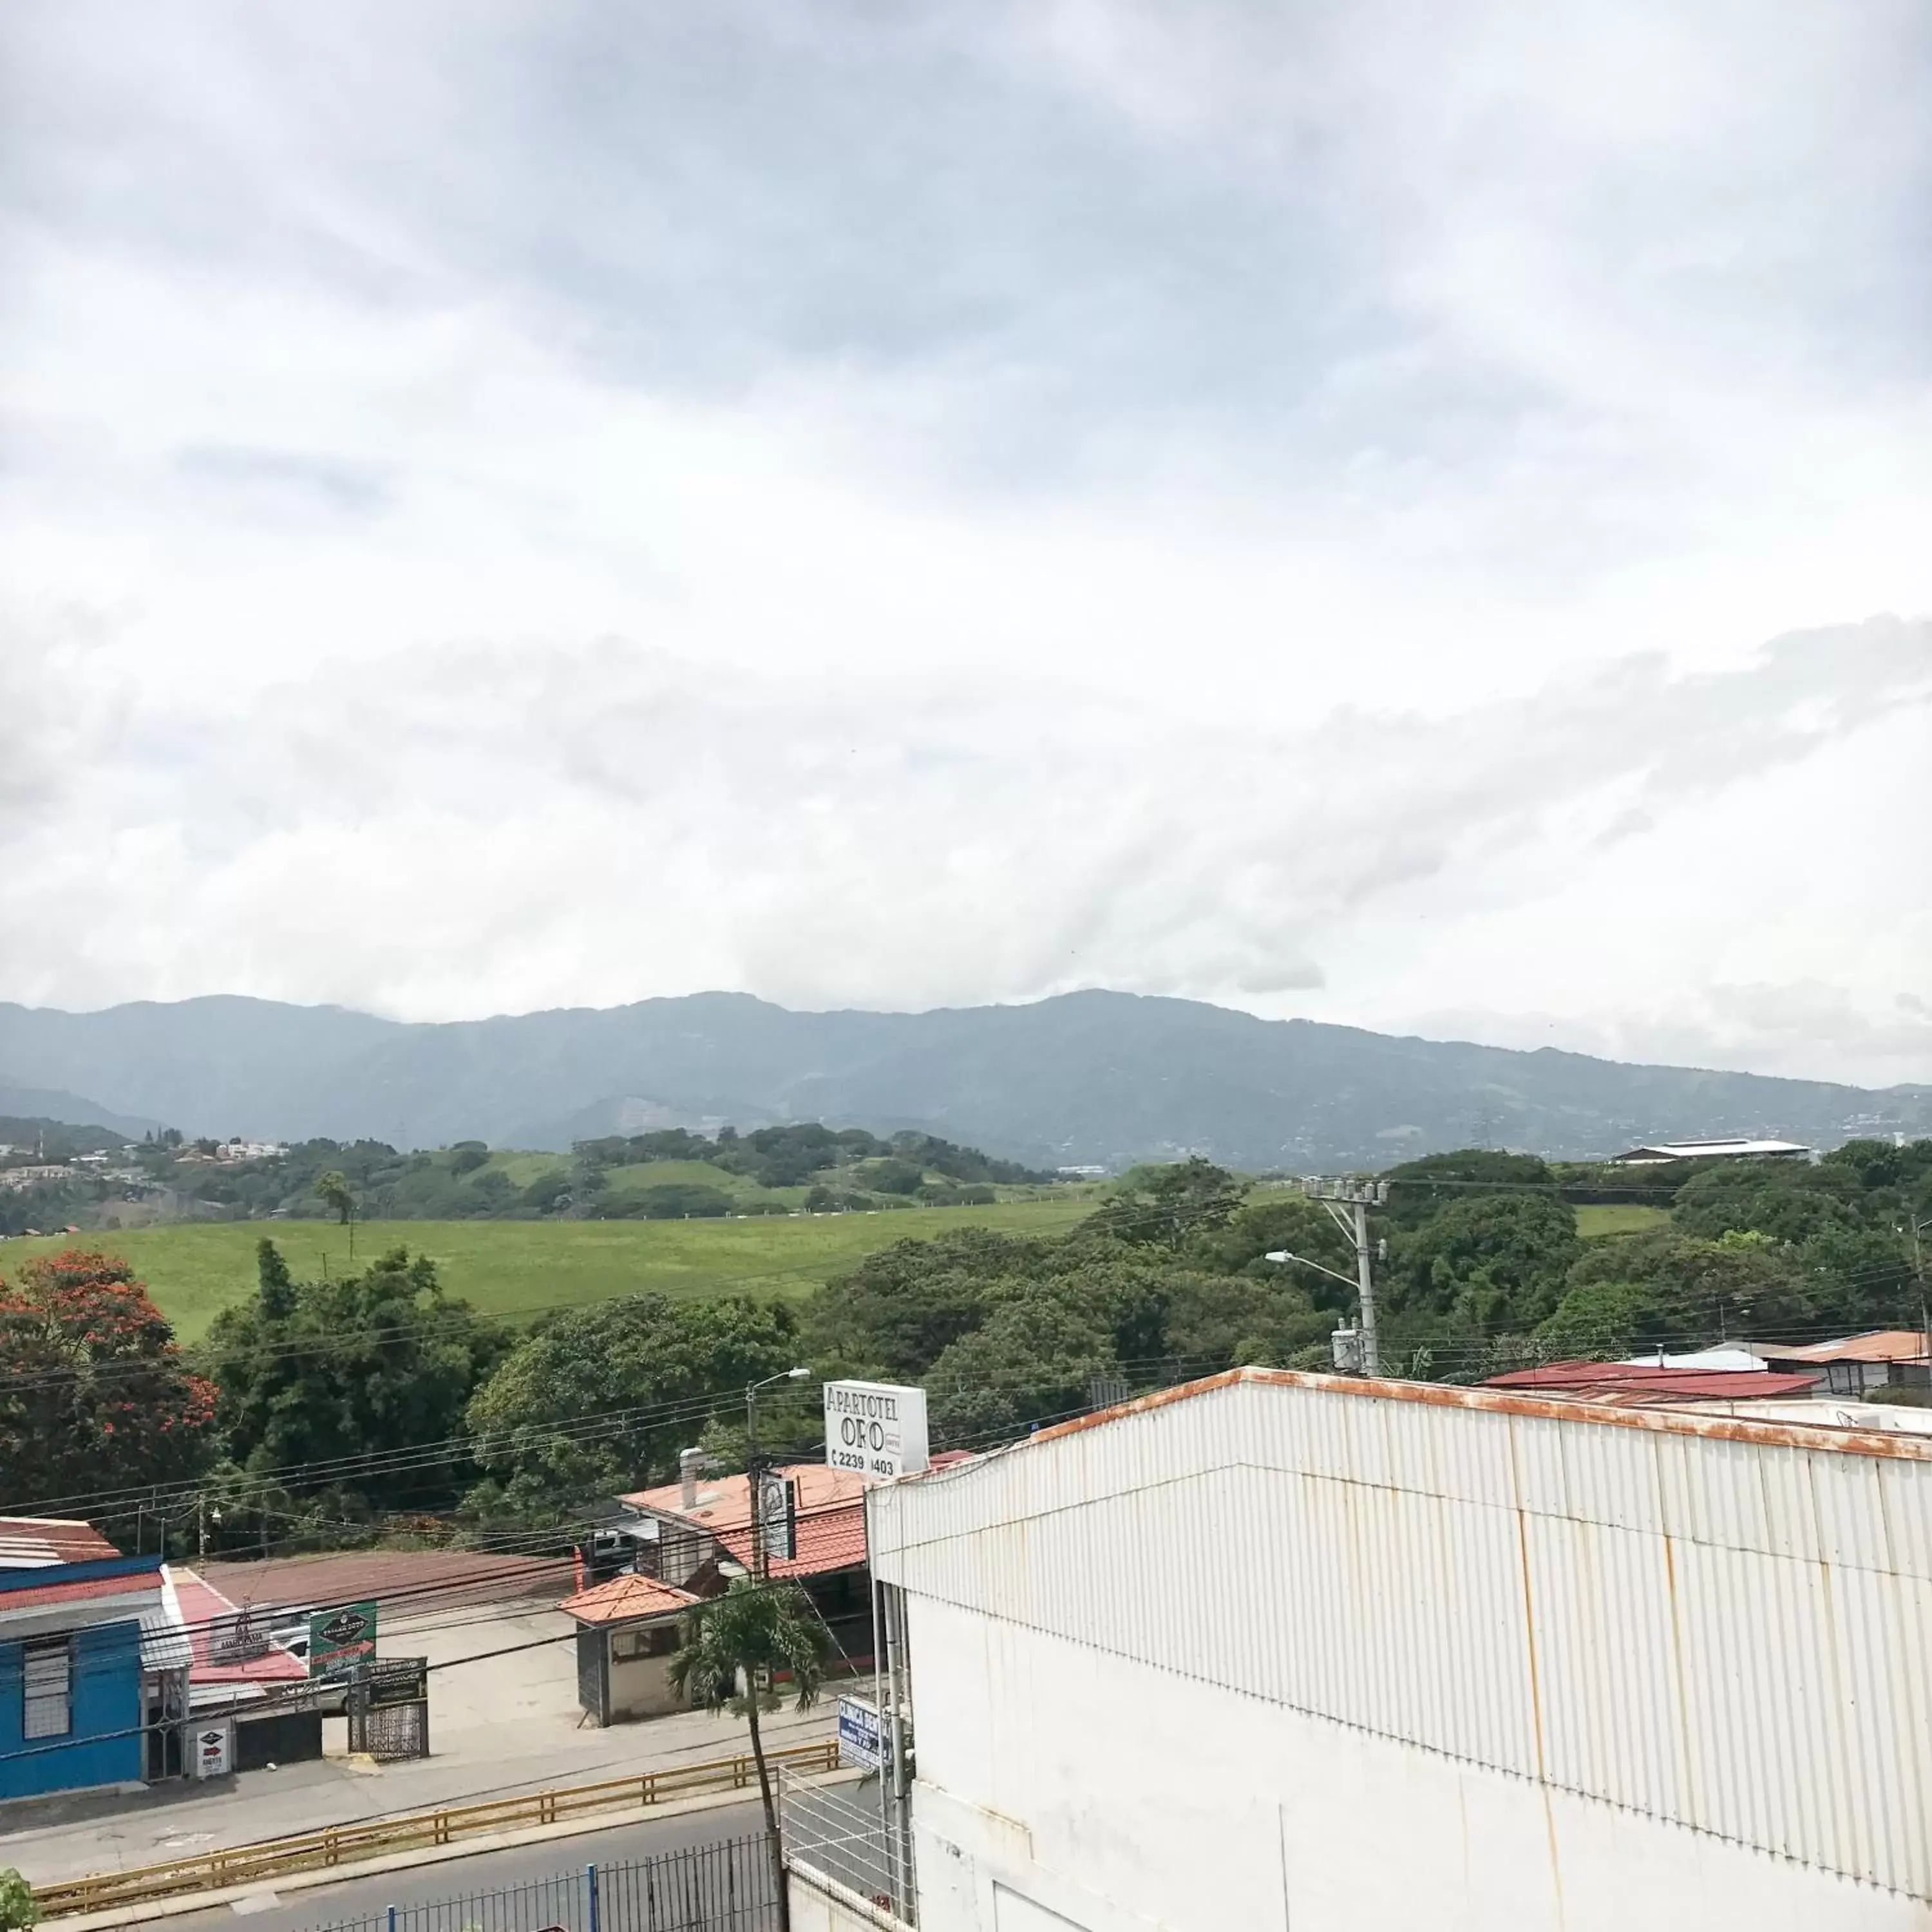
[(760, 1560), (1364, 1337)]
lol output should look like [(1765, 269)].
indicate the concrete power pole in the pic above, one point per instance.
[(1356, 1197)]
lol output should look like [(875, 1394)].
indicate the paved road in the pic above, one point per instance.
[(462, 1879)]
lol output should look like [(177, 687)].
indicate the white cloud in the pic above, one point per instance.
[(532, 506)]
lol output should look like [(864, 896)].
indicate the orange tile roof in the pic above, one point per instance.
[(624, 1599), (724, 1502), (831, 1517)]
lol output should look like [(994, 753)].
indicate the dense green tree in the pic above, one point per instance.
[(669, 1201), (1275, 1223), (1419, 1189), (1789, 1200), (1487, 1262), (379, 1361), (900, 1307), (94, 1393), (332, 1190), (1212, 1322), (1675, 1289), (1166, 1207), (653, 1367), (1034, 1357)]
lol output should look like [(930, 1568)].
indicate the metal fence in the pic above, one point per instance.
[(340, 1847), (837, 1831), (725, 1887)]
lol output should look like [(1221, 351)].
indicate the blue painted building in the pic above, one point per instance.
[(78, 1697)]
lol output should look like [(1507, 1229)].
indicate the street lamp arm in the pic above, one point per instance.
[(1302, 1261)]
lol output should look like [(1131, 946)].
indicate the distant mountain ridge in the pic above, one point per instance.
[(1084, 1077)]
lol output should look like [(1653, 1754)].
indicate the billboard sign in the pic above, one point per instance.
[(778, 1516), (339, 1639), (877, 1429)]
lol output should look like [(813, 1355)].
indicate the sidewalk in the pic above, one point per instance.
[(499, 1726)]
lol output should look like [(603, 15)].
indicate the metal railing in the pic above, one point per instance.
[(728, 1886), (349, 1844), (835, 1833)]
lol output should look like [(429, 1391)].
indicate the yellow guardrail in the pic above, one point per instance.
[(349, 1844)]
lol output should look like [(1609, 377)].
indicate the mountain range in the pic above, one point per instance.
[(1092, 1077)]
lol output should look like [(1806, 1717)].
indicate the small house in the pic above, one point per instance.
[(626, 1634), (704, 1539), (94, 1667), (1854, 1364)]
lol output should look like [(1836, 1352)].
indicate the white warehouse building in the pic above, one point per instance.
[(1282, 1651)]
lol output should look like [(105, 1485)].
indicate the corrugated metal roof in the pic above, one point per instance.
[(1731, 1150), (624, 1599), (1881, 1345), (1718, 1622), (81, 1590), (164, 1644), (1622, 1380), (34, 1542)]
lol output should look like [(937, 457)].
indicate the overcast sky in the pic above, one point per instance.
[(1409, 515)]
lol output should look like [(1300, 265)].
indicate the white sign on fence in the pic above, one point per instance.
[(876, 1428), (860, 1746)]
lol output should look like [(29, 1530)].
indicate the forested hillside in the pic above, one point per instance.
[(1093, 1077)]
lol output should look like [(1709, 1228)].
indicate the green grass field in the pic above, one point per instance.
[(1618, 1218), (517, 1269)]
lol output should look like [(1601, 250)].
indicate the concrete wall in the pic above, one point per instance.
[(640, 1688), (818, 1904), (1063, 1789), (104, 1746)]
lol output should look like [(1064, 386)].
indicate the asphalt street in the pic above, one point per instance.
[(461, 1881)]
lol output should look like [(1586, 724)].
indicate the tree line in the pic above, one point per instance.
[(610, 1177), (400, 1402)]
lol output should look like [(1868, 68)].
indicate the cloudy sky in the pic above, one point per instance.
[(1409, 515)]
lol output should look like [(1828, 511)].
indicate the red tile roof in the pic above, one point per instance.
[(625, 1599), (140, 1583), (404, 1582), (35, 1542), (831, 1517)]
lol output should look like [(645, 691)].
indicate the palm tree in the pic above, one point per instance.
[(732, 1648), (332, 1189)]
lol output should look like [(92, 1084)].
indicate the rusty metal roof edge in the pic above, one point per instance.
[(1454, 1395)]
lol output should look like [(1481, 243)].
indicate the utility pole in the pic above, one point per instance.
[(761, 1561), (1917, 1228), (1356, 1197)]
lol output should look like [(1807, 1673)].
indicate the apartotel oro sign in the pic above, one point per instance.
[(876, 1428)]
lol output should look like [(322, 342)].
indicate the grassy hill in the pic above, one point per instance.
[(517, 1269)]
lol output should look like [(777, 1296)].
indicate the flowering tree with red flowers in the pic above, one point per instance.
[(94, 1394)]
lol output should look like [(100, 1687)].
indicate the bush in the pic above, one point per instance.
[(17, 1905)]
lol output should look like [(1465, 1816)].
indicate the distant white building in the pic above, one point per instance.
[(251, 1149), (1278, 1651), (1655, 1154)]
